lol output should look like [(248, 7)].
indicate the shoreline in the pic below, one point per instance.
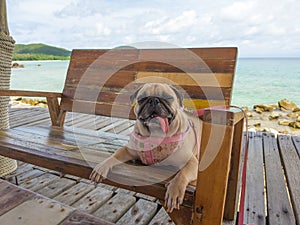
[(280, 118)]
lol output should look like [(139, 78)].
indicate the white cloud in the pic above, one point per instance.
[(248, 24), (185, 20), (238, 10)]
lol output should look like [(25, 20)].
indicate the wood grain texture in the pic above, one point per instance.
[(36, 211), (279, 206), (30, 93), (39, 182), (102, 78), (93, 200), (74, 193), (11, 196), (56, 187), (291, 165), (214, 164), (233, 180), (296, 141), (115, 208), (161, 218), (140, 213), (78, 217), (254, 199)]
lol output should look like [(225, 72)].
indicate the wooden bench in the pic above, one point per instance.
[(100, 82)]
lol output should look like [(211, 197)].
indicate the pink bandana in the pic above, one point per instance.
[(152, 150)]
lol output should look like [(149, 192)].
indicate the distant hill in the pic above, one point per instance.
[(39, 52)]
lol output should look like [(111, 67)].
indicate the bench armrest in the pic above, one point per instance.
[(30, 93), (229, 116), (52, 101)]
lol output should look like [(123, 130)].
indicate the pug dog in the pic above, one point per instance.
[(175, 134)]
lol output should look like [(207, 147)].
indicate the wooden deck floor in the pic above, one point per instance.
[(273, 178)]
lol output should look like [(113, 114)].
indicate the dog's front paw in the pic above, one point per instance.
[(175, 193), (100, 171)]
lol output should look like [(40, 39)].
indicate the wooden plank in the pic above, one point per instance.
[(146, 197), (126, 111), (291, 165), (124, 191), (36, 211), (21, 169), (254, 199), (140, 213), (228, 53), (296, 140), (93, 200), (23, 177), (233, 181), (78, 217), (53, 107), (115, 207), (39, 182), (30, 93), (161, 218), (190, 79), (119, 96), (214, 164), (279, 206), (11, 196), (75, 163), (56, 187), (74, 193), (228, 222)]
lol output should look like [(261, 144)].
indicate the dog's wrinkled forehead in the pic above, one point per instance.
[(163, 91), (156, 90)]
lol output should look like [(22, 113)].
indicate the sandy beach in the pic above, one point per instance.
[(279, 118)]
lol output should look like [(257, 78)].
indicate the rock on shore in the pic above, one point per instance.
[(281, 118), (17, 65)]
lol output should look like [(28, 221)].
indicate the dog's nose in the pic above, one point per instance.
[(154, 101)]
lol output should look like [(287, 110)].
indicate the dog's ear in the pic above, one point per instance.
[(178, 94), (133, 96)]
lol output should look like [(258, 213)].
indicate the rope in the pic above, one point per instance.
[(7, 165)]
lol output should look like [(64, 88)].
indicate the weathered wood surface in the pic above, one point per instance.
[(140, 213), (93, 200), (291, 165), (39, 182), (78, 217), (204, 74), (115, 208), (10, 197), (19, 206), (74, 193), (161, 218), (27, 173), (35, 212), (76, 151), (254, 199), (279, 207), (56, 187)]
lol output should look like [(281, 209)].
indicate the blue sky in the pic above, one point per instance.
[(259, 28)]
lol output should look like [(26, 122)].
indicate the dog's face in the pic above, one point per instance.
[(155, 108)]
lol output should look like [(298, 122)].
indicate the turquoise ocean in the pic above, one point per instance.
[(257, 80)]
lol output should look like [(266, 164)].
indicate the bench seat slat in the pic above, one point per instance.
[(78, 161)]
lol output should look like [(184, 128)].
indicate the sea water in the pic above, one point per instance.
[(257, 80)]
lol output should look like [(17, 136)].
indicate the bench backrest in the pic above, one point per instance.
[(100, 81)]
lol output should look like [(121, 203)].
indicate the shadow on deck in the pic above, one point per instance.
[(272, 191)]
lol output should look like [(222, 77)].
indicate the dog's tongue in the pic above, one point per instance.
[(164, 124)]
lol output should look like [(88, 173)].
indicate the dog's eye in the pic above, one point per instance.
[(141, 100), (168, 98)]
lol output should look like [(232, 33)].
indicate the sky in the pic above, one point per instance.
[(259, 28)]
